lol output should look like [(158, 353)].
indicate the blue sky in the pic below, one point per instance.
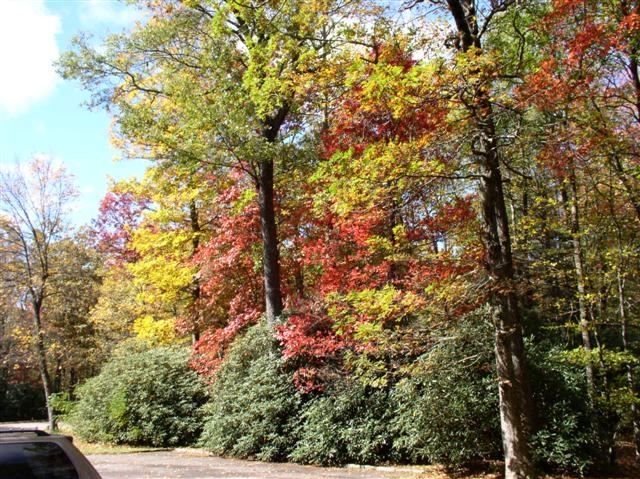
[(40, 114)]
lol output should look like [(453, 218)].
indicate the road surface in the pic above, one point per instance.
[(187, 464)]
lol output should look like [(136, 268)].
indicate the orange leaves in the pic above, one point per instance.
[(630, 24), (585, 51)]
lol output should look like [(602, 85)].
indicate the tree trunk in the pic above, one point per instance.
[(516, 403), (583, 320), (270, 255), (268, 226), (196, 291), (41, 354)]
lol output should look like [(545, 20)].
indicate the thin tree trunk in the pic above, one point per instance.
[(41, 354), (196, 291), (583, 318)]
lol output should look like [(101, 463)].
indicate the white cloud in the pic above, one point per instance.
[(27, 52), (108, 12)]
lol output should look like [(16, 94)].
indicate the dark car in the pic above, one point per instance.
[(35, 454)]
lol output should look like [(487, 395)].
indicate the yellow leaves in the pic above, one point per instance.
[(117, 306), (378, 307), (156, 332), (22, 336), (376, 176), (247, 197), (159, 284), (161, 273)]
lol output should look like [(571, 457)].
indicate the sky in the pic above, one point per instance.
[(41, 114)]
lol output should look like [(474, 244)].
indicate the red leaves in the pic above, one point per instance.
[(311, 345), (587, 79), (119, 215), (230, 281), (586, 39), (209, 350), (308, 336)]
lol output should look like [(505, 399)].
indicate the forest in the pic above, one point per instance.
[(368, 232)]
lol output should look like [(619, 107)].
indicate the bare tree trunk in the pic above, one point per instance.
[(41, 354), (578, 255)]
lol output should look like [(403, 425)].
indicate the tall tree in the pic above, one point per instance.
[(219, 86), (34, 204), (473, 74)]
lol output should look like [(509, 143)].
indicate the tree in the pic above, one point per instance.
[(472, 76), (34, 202), (383, 240), (119, 215), (73, 345), (218, 86)]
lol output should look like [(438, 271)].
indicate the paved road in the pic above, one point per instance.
[(196, 465)]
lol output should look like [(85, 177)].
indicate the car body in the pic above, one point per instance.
[(36, 454)]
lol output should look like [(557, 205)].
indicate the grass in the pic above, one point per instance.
[(92, 448)]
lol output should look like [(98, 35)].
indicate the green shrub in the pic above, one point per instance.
[(447, 418), (142, 397), (349, 425), (61, 404), (254, 407), (447, 411), (565, 440)]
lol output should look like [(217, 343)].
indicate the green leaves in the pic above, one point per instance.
[(143, 396)]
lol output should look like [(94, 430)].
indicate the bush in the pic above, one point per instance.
[(142, 396), (447, 412), (254, 407), (61, 404), (350, 425), (565, 440), (21, 401), (444, 410)]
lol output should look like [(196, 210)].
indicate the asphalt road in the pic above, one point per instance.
[(197, 465)]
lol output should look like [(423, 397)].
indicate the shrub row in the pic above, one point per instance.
[(444, 412)]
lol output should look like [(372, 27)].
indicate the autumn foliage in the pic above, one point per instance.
[(410, 224)]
